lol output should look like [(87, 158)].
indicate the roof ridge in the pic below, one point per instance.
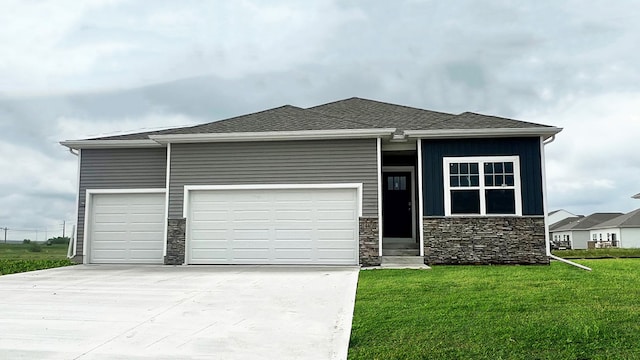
[(381, 102)]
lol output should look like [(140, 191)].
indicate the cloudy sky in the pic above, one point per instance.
[(71, 69)]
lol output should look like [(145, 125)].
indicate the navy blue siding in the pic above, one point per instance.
[(530, 168)]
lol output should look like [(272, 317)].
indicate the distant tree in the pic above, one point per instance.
[(58, 240), (26, 241)]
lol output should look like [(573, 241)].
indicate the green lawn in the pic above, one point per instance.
[(15, 258), (21, 251), (499, 312), (598, 253)]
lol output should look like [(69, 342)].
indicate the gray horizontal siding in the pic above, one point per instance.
[(119, 169), (281, 162)]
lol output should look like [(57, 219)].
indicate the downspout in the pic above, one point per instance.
[(544, 204), (71, 250)]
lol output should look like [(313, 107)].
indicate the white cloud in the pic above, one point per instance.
[(72, 128), (594, 164)]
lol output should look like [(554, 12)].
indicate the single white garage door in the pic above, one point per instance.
[(126, 228), (296, 226)]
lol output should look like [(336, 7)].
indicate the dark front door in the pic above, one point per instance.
[(396, 204)]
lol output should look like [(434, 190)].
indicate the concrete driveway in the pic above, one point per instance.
[(183, 312)]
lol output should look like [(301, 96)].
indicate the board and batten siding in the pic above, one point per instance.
[(274, 162), (134, 168), (527, 148)]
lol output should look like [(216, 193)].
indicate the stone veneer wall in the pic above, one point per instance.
[(175, 241), (369, 245), (484, 240)]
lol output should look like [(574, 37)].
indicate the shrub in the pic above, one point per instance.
[(59, 240), (17, 266), (35, 247)]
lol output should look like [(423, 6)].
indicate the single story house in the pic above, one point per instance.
[(558, 215), (561, 240), (622, 231), (577, 233), (337, 183)]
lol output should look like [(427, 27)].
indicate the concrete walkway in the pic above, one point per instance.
[(184, 312)]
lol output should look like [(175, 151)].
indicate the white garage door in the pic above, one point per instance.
[(126, 228), (296, 226)]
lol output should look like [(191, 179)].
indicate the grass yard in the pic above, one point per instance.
[(598, 253), (15, 258), (499, 312), (21, 251)]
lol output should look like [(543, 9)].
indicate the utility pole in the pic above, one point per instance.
[(63, 227), (5, 234)]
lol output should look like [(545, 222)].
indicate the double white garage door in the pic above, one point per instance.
[(240, 226)]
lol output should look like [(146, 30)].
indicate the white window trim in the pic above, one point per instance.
[(482, 159)]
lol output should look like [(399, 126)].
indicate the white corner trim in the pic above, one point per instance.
[(379, 169), (189, 188), (273, 135), (166, 201), (107, 144), (420, 199), (75, 236), (547, 241), (477, 133)]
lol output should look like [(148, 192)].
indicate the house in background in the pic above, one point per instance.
[(577, 233), (343, 183), (559, 215), (561, 241), (622, 231)]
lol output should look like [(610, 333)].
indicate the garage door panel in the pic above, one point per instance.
[(250, 214), (126, 228), (293, 234), (273, 226)]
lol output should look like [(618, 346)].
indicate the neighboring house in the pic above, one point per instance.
[(558, 215), (576, 233), (622, 231), (340, 183), (561, 240)]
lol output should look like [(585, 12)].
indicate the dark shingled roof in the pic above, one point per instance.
[(564, 222), (353, 113), (588, 222), (631, 219), (383, 114)]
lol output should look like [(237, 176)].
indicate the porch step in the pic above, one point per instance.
[(400, 252), (403, 262)]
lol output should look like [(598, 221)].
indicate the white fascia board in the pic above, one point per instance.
[(479, 133), (274, 135), (107, 144)]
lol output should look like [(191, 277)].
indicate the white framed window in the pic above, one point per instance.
[(482, 185)]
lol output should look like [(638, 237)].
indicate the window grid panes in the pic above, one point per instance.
[(395, 183), (482, 187)]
